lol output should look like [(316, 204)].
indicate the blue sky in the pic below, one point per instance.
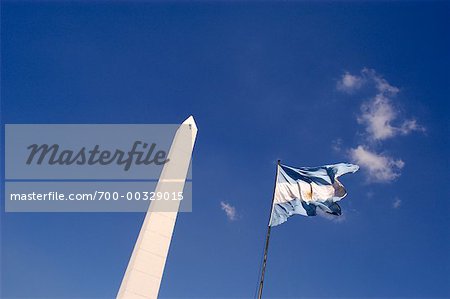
[(307, 83)]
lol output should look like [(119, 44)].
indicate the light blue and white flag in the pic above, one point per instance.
[(303, 190)]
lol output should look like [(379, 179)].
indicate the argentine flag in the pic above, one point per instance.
[(303, 190)]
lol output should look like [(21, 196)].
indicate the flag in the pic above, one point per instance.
[(303, 190)]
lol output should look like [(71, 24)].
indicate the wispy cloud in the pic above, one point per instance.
[(336, 145), (381, 119), (380, 168), (349, 83), (397, 203), (229, 210), (379, 116), (381, 84), (376, 116), (333, 218)]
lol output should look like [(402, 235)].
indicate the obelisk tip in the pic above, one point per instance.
[(190, 121)]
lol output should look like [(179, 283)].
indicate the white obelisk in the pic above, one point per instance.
[(145, 269)]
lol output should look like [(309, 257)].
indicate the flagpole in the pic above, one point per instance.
[(266, 248)]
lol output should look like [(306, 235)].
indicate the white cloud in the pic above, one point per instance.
[(379, 116), (334, 218), (336, 145), (381, 84), (380, 168), (230, 211), (349, 83), (397, 203), (380, 119), (409, 126)]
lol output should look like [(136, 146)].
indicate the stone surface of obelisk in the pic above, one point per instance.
[(145, 269)]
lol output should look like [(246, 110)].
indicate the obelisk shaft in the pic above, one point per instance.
[(145, 269)]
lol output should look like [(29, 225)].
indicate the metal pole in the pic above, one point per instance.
[(266, 248)]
